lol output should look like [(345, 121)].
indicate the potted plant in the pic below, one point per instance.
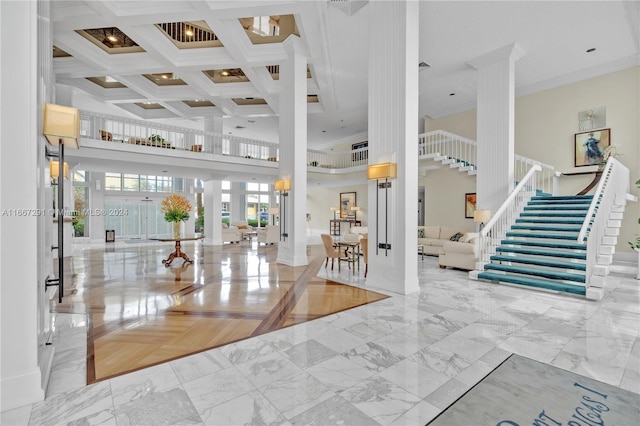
[(176, 209), (156, 138)]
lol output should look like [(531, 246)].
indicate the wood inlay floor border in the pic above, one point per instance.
[(146, 314)]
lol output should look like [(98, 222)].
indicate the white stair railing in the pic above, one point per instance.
[(609, 195), (544, 178), (442, 145), (496, 229)]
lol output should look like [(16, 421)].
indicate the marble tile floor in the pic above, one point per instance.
[(399, 361)]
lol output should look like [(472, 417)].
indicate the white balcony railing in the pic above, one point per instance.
[(438, 145)]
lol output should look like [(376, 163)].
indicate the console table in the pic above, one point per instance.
[(336, 224)]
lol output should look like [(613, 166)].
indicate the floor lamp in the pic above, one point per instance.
[(283, 186), (61, 126), (378, 172)]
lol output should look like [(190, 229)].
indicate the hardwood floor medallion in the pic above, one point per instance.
[(142, 313)]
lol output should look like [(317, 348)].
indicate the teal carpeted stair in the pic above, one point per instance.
[(541, 249)]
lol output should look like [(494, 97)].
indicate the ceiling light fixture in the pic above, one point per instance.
[(224, 73), (452, 94), (189, 32)]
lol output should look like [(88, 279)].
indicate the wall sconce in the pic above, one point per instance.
[(273, 211), (481, 217), (283, 186), (54, 170), (384, 171), (334, 210), (61, 126)]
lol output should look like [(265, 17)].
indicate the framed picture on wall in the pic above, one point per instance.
[(589, 147), (469, 204), (347, 200)]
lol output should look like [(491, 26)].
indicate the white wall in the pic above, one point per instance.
[(445, 191), (547, 121), (321, 199)]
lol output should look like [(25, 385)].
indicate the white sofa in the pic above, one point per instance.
[(230, 233), (436, 241), (270, 234)]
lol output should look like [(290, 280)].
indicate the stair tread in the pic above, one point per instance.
[(562, 197), (565, 228), (560, 207), (551, 244), (534, 282), (552, 221), (566, 236), (542, 214), (540, 262), (540, 252), (537, 272)]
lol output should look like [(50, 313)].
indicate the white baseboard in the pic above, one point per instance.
[(631, 257), (21, 389)]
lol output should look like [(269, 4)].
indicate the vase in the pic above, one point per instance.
[(176, 229)]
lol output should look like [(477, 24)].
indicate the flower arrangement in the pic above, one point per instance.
[(610, 151), (176, 208)]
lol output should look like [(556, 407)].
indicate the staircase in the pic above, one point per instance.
[(541, 250)]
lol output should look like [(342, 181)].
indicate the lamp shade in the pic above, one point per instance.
[(481, 216), (61, 123), (355, 208), (54, 169), (334, 209), (382, 171), (282, 185), (274, 210)]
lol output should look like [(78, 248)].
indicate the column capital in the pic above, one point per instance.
[(511, 51), (293, 44)]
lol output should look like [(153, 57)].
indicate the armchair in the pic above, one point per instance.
[(268, 235), (230, 234)]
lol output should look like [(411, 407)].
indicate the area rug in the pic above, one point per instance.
[(521, 391)]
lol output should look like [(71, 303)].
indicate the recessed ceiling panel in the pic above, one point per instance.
[(165, 79), (197, 103), (189, 35), (59, 53), (149, 105), (106, 82), (111, 40), (269, 29), (249, 101), (227, 75)]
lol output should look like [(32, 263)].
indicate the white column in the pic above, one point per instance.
[(213, 124), (22, 169), (238, 202), (393, 136), (292, 249), (96, 203), (212, 201), (495, 112)]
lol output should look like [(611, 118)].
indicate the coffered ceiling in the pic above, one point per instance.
[(194, 59)]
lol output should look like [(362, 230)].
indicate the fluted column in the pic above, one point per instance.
[(292, 249), (393, 136), (212, 201), (495, 111)]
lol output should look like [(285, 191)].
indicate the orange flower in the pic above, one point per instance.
[(175, 208)]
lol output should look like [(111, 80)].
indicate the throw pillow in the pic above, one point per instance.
[(468, 237), (420, 232), (456, 236), (243, 227)]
